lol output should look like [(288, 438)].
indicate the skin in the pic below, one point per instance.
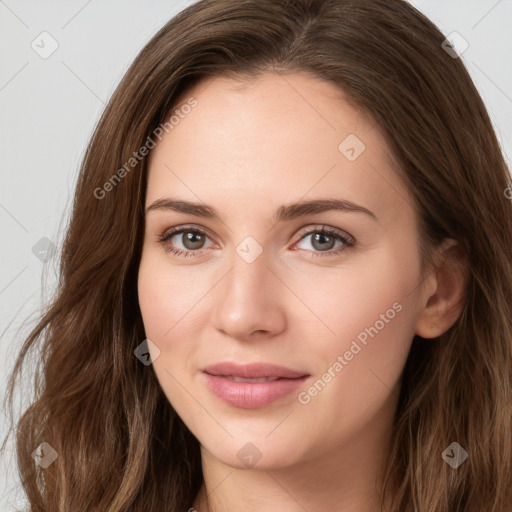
[(246, 149)]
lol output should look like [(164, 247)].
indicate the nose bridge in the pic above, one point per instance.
[(250, 273), (249, 297)]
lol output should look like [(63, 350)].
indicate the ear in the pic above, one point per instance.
[(443, 295)]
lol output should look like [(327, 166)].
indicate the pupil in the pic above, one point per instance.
[(319, 237), (190, 239)]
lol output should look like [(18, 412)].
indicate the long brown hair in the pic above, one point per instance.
[(120, 444)]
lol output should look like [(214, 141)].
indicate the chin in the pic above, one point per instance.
[(259, 454)]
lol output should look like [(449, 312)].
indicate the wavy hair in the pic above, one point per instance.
[(120, 444)]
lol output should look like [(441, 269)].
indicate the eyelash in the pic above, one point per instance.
[(347, 241)]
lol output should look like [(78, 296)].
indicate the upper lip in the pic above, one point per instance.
[(252, 370)]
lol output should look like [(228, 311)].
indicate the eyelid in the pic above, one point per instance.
[(326, 229), (301, 233), (185, 227)]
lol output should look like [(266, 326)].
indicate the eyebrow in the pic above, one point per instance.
[(283, 213)]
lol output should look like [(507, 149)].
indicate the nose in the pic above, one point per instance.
[(250, 300)]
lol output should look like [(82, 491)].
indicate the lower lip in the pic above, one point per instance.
[(251, 395)]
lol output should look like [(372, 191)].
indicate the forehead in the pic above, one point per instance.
[(278, 134)]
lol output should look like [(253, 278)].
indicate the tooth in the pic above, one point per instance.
[(242, 379)]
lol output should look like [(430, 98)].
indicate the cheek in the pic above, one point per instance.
[(375, 294), (172, 301), (168, 297), (358, 379), (371, 312), (167, 306)]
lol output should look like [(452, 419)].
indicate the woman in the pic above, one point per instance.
[(333, 332)]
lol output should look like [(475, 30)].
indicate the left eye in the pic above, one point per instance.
[(324, 239), (193, 240)]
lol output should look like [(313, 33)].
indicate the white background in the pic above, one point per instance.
[(48, 109)]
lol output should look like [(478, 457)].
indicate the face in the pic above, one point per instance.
[(259, 282)]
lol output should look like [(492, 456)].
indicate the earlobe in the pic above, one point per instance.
[(445, 291)]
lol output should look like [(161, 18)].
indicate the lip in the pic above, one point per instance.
[(252, 370), (252, 395)]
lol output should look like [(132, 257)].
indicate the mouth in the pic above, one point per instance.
[(253, 371), (234, 378), (252, 386)]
